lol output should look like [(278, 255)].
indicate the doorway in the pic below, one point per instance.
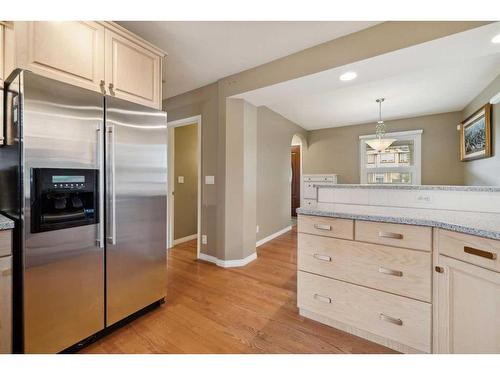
[(184, 187), (295, 183)]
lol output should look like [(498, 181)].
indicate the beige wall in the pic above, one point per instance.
[(485, 171), (186, 194), (336, 150), (241, 181), (210, 101), (274, 137), (204, 102)]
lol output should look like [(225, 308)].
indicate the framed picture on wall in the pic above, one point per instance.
[(475, 135)]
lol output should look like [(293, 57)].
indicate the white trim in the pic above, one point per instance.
[(301, 179), (228, 263), (185, 239), (415, 169), (273, 236), (171, 125)]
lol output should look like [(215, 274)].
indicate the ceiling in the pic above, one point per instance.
[(440, 76), (200, 53)]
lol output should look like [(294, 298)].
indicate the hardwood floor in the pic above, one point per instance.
[(251, 309)]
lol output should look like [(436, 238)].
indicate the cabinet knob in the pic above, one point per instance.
[(102, 84), (111, 89), (439, 269)]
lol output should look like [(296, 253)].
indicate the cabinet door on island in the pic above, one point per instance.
[(467, 308)]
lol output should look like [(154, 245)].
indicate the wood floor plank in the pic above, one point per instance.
[(251, 309)]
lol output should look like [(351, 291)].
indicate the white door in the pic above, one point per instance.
[(467, 299)]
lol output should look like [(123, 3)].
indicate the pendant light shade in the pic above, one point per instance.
[(380, 143)]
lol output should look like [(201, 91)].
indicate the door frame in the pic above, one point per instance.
[(299, 177), (301, 145), (171, 125)]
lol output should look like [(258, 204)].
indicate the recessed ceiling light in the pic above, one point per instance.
[(496, 39), (348, 76)]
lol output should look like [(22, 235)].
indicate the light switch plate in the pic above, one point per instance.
[(180, 179), (204, 239), (209, 180)]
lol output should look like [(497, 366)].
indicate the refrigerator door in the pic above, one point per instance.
[(136, 194), (63, 275)]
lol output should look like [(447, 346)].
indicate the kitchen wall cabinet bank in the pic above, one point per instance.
[(99, 56), (375, 279)]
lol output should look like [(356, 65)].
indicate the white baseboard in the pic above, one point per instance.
[(273, 236), (186, 239), (228, 263)]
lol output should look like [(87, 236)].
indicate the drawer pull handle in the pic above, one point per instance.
[(388, 271), (480, 253), (321, 298), (322, 257), (6, 272), (390, 319), (323, 226), (397, 236)]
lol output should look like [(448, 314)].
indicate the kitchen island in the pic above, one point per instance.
[(6, 226), (417, 280)]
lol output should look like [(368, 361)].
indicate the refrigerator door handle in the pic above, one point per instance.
[(112, 191), (100, 166)]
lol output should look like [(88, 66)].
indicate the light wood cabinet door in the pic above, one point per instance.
[(467, 308), (6, 305), (2, 53), (71, 52), (133, 72)]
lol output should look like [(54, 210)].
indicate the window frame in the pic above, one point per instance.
[(415, 169)]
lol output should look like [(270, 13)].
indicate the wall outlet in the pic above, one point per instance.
[(424, 198), (204, 239), (258, 229), (209, 180), (180, 179)]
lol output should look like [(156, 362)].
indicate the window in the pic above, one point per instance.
[(400, 163)]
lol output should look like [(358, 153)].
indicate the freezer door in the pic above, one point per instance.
[(136, 191), (63, 289)]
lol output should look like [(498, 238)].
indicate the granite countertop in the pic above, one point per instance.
[(410, 187), (6, 223), (475, 223)]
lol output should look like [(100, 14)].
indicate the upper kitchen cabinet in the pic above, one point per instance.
[(6, 49), (133, 71), (71, 52), (100, 56)]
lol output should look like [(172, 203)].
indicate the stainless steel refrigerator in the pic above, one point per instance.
[(84, 176)]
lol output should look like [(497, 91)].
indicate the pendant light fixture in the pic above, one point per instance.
[(380, 143)]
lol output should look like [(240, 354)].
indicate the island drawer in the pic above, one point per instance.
[(326, 226), (401, 319), (400, 271), (5, 242), (400, 235), (475, 250)]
